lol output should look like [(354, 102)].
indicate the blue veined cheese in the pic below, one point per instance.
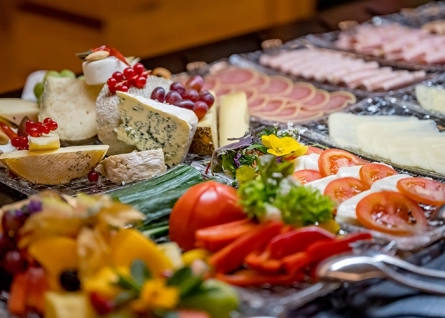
[(148, 124)]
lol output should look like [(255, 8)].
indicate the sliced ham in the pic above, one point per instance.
[(257, 103), (273, 105), (211, 83), (237, 76), (289, 111), (320, 99), (338, 101), (278, 85), (301, 92), (300, 116)]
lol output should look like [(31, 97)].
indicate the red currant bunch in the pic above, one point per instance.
[(37, 129), (122, 81), (20, 142)]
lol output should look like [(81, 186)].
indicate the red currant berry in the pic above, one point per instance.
[(118, 76), (140, 82), (34, 132), (129, 72), (45, 129), (139, 68), (123, 88), (111, 82), (23, 141), (112, 89), (15, 142), (53, 125), (93, 176), (47, 120)]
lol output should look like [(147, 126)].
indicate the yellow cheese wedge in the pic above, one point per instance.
[(45, 142), (14, 109), (233, 117), (53, 167)]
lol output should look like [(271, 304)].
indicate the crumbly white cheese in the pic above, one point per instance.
[(133, 166), (108, 119), (148, 124)]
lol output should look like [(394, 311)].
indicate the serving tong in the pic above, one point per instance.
[(353, 268)]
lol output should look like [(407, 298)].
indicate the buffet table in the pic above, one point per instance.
[(260, 59)]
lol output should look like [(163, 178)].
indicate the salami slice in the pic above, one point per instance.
[(320, 99), (339, 100), (302, 92), (257, 103), (278, 86), (237, 76)]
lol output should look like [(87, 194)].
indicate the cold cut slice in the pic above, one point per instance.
[(320, 99), (257, 103), (278, 85), (301, 92), (339, 100), (237, 76)]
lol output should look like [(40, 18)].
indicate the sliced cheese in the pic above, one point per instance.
[(98, 72), (436, 158), (205, 140), (72, 104), (53, 167), (133, 166), (388, 183), (148, 124), (419, 153), (45, 142), (431, 97), (322, 183), (233, 117), (346, 210), (15, 109)]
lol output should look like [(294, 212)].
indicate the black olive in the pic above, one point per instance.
[(69, 280)]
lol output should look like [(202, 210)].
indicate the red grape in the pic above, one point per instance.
[(172, 97), (200, 109), (195, 82), (177, 87), (138, 68), (191, 94), (185, 103), (93, 176), (207, 98), (140, 82), (129, 72), (12, 221), (118, 76), (158, 94), (14, 262)]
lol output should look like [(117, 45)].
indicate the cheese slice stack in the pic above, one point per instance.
[(148, 124), (15, 109), (53, 167)]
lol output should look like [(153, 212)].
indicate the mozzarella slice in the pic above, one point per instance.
[(322, 183), (311, 162), (388, 183), (353, 171), (342, 126), (299, 163), (346, 209)]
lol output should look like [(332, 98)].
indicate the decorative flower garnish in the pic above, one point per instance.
[(285, 147), (156, 295)]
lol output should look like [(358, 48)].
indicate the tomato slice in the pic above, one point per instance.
[(391, 212), (311, 150), (371, 172), (422, 190), (307, 175), (331, 160), (342, 189)]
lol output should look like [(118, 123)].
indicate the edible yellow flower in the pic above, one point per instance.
[(283, 147), (155, 295)]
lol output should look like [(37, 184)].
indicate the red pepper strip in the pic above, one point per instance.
[(17, 294), (260, 260), (322, 250), (214, 238), (7, 130), (113, 52), (297, 241), (232, 256), (37, 287), (246, 278), (297, 262)]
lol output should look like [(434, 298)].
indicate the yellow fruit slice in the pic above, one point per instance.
[(53, 167), (45, 142)]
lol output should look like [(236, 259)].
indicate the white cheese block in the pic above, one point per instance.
[(388, 183), (353, 172), (346, 210), (133, 166), (98, 72), (205, 140), (419, 152), (431, 97), (342, 126), (45, 142), (148, 124), (15, 109), (322, 183), (72, 104), (233, 117), (108, 119), (436, 158)]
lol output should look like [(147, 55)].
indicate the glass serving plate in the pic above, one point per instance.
[(299, 44)]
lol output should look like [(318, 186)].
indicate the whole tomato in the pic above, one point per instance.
[(206, 204)]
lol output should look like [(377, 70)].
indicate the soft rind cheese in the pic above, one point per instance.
[(233, 117), (51, 167), (72, 104), (133, 166), (98, 72), (108, 119), (15, 109), (45, 142), (148, 124), (205, 140)]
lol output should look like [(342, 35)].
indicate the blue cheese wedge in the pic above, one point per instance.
[(148, 124)]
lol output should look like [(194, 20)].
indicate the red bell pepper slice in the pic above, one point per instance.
[(232, 256), (297, 241), (322, 250), (297, 262), (17, 294), (247, 278), (261, 261), (37, 286), (214, 238)]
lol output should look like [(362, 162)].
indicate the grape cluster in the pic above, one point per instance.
[(12, 260), (122, 81), (190, 96), (34, 129)]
